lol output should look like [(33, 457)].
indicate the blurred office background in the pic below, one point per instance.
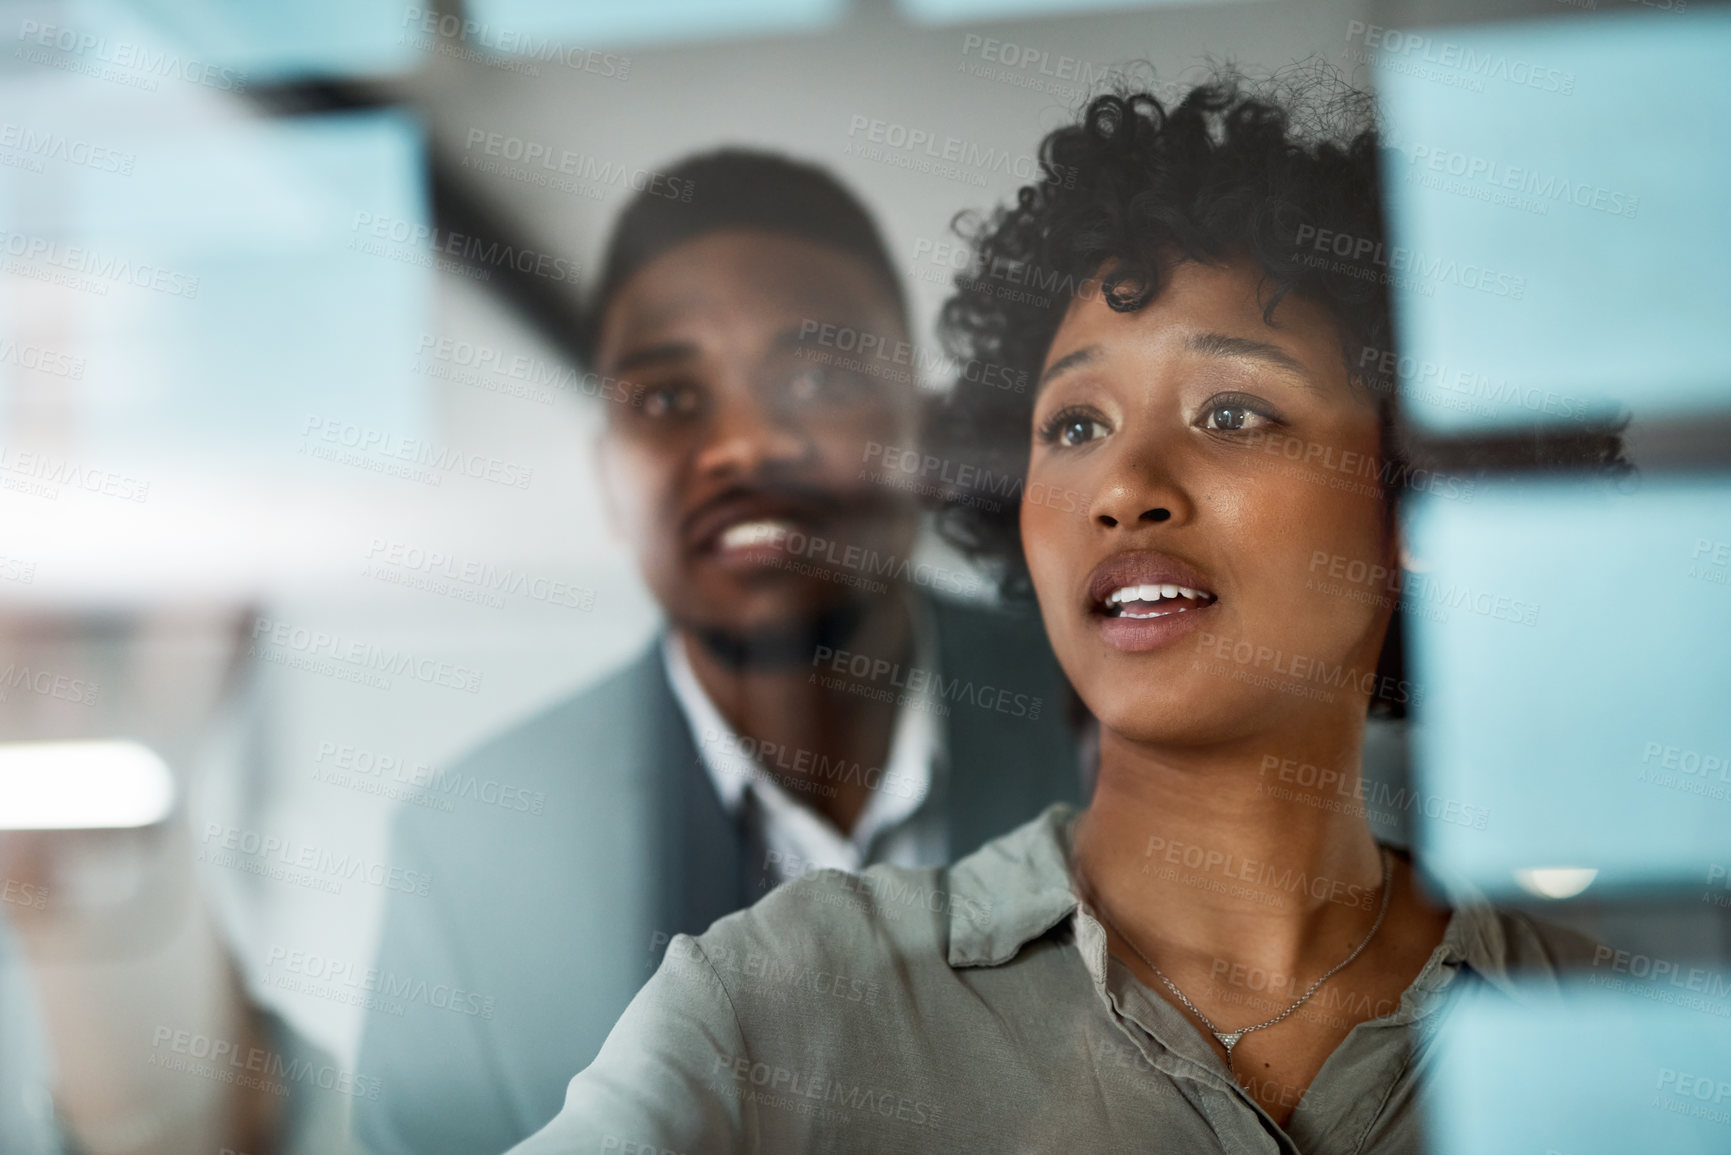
[(295, 450)]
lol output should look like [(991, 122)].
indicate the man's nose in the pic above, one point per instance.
[(747, 437)]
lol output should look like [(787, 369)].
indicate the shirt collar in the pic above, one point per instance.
[(730, 768), (1012, 890), (916, 742), (1016, 888)]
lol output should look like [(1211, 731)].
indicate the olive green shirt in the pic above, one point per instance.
[(976, 1008)]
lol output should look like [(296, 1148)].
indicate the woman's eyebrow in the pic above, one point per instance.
[(1066, 363), (1221, 345)]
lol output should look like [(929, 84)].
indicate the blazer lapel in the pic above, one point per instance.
[(698, 852)]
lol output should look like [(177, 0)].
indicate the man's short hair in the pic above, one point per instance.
[(736, 188)]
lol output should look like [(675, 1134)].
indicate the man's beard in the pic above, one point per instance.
[(779, 648)]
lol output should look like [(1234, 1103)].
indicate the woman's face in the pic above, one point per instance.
[(1203, 517)]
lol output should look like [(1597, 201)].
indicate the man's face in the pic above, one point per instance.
[(744, 453)]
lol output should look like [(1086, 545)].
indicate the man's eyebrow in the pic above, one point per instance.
[(1221, 345), (1068, 362), (649, 356)]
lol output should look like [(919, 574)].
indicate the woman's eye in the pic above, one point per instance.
[(1229, 416), (1074, 429)]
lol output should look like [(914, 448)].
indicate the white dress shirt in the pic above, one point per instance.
[(894, 827)]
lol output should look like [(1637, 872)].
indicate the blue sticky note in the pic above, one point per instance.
[(1568, 647), (1556, 195)]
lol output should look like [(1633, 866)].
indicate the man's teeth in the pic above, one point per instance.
[(1154, 593), (762, 531)]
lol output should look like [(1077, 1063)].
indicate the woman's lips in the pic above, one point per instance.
[(1143, 600), (1148, 627)]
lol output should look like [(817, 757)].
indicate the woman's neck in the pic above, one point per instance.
[(1257, 855)]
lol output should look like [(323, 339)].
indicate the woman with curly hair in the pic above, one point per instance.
[(1217, 954)]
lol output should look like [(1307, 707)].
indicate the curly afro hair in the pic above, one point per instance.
[(1223, 174)]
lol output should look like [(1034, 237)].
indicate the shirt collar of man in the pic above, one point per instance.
[(916, 744), (1017, 888)]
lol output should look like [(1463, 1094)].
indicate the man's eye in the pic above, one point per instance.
[(821, 383), (809, 383), (675, 400)]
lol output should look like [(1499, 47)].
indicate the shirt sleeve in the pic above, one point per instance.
[(668, 1079)]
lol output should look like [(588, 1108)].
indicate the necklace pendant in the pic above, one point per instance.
[(1229, 1039)]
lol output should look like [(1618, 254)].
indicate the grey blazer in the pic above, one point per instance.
[(502, 981)]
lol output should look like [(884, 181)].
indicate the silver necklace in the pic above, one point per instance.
[(1229, 1039)]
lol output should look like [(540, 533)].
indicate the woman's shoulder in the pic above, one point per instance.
[(1518, 951), (903, 921), (827, 916), (1539, 944)]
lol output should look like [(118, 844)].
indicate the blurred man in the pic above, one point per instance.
[(811, 703)]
